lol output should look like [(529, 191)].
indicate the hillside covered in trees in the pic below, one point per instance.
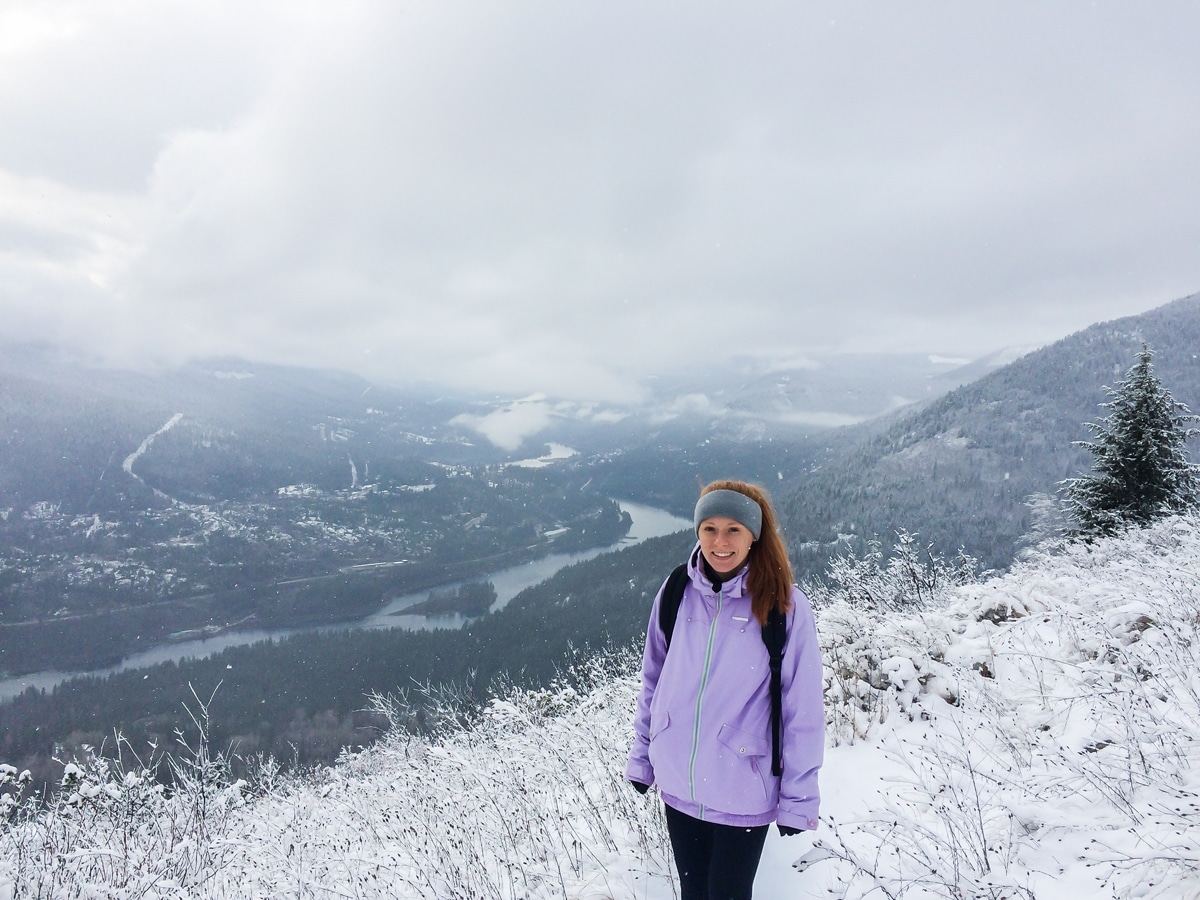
[(961, 471)]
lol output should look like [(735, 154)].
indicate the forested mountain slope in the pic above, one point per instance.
[(960, 470)]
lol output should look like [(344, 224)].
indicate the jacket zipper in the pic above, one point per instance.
[(708, 654)]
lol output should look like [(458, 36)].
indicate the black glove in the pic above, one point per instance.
[(788, 830), (639, 787)]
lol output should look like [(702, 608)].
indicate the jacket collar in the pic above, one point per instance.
[(734, 587)]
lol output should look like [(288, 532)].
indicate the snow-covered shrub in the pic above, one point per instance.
[(1070, 749), (911, 575), (526, 799), (882, 631), (117, 830)]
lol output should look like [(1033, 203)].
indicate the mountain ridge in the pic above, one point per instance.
[(960, 469)]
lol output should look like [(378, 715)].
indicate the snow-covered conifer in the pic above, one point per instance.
[(1140, 470)]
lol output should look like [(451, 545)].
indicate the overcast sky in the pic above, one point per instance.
[(565, 196)]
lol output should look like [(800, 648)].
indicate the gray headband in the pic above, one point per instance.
[(730, 505)]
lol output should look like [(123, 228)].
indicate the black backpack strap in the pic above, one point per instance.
[(672, 596), (774, 635)]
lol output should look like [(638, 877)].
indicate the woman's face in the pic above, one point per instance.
[(725, 543)]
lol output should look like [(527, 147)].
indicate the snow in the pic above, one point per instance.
[(144, 446), (1033, 735)]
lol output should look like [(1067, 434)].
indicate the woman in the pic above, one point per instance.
[(703, 726)]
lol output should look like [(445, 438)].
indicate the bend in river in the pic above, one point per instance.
[(647, 522)]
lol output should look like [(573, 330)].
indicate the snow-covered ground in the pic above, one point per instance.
[(1034, 735)]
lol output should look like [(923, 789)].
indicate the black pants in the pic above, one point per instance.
[(715, 862)]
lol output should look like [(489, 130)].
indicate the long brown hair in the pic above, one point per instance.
[(770, 576)]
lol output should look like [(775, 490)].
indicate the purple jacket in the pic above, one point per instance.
[(703, 726)]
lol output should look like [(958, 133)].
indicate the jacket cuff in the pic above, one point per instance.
[(637, 771), (804, 819)]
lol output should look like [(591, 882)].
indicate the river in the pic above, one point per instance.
[(648, 522)]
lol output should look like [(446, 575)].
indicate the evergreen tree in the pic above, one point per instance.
[(1140, 470)]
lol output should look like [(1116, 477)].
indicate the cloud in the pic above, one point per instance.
[(570, 198), (508, 427)]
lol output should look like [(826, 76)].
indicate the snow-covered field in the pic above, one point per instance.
[(1034, 735)]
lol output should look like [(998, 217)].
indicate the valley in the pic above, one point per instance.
[(82, 594), (285, 504)]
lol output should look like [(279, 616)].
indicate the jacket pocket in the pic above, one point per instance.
[(659, 723), (667, 756), (738, 779), (743, 743)]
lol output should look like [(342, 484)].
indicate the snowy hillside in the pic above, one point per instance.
[(1035, 735)]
